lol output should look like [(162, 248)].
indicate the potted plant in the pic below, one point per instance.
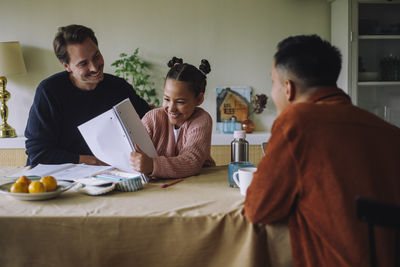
[(134, 70)]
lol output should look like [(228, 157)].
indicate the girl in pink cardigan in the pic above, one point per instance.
[(180, 130)]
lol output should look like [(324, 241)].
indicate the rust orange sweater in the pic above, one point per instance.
[(321, 155), (190, 153)]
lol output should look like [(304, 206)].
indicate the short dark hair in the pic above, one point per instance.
[(314, 61), (196, 77), (71, 34)]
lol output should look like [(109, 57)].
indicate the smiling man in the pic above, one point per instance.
[(69, 98)]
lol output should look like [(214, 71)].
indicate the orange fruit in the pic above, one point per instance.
[(50, 183), (24, 179), (18, 187), (37, 187)]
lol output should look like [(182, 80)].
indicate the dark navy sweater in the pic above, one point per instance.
[(59, 108)]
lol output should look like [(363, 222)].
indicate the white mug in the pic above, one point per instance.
[(245, 178)]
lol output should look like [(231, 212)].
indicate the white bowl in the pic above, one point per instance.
[(61, 187)]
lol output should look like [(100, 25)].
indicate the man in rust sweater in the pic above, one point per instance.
[(323, 152)]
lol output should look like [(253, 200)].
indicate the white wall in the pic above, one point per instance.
[(340, 37), (238, 37)]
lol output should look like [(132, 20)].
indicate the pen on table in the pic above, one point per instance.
[(172, 183)]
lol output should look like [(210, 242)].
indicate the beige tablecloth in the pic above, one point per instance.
[(197, 222)]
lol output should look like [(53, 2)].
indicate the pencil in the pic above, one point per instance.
[(172, 183)]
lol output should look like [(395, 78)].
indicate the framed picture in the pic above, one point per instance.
[(232, 107)]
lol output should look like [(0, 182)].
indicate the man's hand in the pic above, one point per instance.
[(91, 160), (140, 162)]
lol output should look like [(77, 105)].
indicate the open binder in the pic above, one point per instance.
[(111, 136)]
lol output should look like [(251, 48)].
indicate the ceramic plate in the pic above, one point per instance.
[(62, 186)]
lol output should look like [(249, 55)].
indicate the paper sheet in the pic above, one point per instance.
[(79, 171), (67, 171)]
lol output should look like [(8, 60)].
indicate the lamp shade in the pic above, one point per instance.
[(11, 60)]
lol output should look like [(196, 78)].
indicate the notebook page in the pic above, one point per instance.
[(134, 127), (107, 140)]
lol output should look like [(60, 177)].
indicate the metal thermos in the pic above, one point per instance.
[(239, 147)]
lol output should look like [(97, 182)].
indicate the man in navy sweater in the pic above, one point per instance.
[(67, 99)]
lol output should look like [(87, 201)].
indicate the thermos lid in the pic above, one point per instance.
[(239, 134)]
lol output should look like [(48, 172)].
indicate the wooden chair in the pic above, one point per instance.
[(379, 214)]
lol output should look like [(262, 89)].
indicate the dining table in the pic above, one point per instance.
[(196, 222)]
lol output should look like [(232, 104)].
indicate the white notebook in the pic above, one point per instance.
[(111, 136)]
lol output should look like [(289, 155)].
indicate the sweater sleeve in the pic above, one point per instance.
[(43, 130), (147, 121), (195, 151), (275, 187)]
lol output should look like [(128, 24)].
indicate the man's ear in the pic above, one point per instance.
[(66, 66), (290, 91), (200, 99)]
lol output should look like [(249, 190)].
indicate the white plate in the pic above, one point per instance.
[(61, 187)]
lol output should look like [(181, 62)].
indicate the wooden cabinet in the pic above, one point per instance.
[(222, 154), (13, 157), (221, 147), (12, 150)]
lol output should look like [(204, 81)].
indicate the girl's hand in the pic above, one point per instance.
[(140, 162)]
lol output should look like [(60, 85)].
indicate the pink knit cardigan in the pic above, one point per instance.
[(192, 150)]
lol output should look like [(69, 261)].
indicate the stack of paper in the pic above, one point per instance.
[(68, 171)]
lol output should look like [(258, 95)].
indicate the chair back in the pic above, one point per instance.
[(263, 146), (379, 214)]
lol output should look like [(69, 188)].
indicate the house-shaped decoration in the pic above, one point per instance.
[(233, 103)]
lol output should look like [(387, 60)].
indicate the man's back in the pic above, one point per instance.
[(321, 155)]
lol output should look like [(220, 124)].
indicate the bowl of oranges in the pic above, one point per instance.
[(38, 188)]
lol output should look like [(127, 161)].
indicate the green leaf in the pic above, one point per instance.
[(135, 71)]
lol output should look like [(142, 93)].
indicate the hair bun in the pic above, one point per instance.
[(205, 67), (174, 61)]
